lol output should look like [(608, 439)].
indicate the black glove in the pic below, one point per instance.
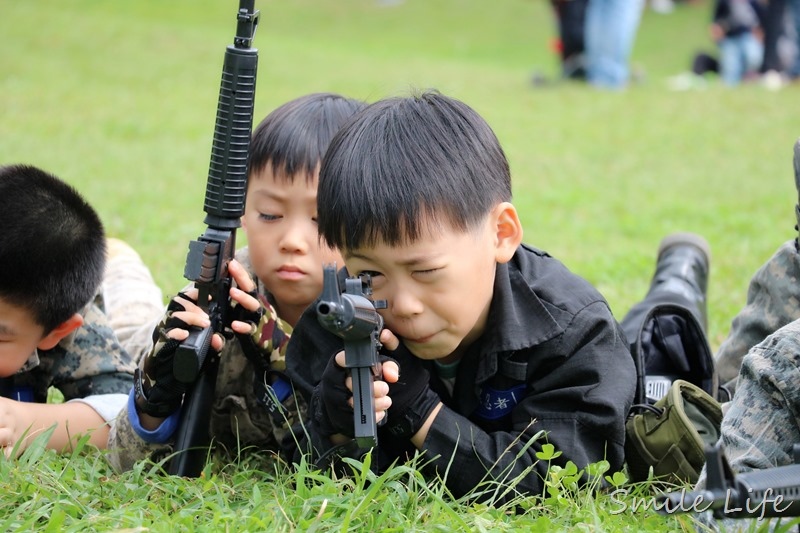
[(412, 398), (265, 345), (331, 411), (156, 390), (265, 348)]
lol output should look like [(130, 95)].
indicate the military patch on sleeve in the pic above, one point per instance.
[(496, 404)]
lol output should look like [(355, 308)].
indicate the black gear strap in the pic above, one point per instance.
[(272, 388)]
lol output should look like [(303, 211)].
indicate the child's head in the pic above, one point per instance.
[(52, 257), (417, 192), (280, 218)]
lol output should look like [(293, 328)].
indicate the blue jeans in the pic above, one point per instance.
[(611, 27), (794, 7), (739, 55)]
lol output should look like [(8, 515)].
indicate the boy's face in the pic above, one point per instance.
[(280, 222), (19, 337), (439, 287)]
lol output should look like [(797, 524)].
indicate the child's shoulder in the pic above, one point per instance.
[(243, 256), (551, 280), (91, 355), (95, 338)]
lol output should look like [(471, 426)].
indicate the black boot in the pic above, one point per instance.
[(682, 269), (667, 329)]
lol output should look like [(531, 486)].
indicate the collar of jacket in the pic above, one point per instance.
[(518, 320)]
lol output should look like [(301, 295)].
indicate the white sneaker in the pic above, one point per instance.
[(662, 6), (773, 80)]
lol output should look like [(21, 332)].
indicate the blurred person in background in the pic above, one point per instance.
[(610, 32), (736, 29)]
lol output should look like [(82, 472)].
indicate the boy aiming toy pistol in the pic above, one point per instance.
[(354, 318)]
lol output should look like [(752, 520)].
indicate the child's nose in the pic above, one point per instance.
[(405, 304), (296, 240)]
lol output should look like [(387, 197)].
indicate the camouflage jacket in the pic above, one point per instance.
[(238, 418), (88, 362), (762, 424), (773, 300)]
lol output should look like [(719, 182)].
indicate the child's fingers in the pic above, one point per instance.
[(389, 340), (245, 328), (190, 293), (7, 440), (382, 404), (340, 359), (197, 318), (245, 299), (390, 371), (178, 334), (217, 342), (241, 276)]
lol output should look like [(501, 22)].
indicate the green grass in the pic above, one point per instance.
[(80, 492), (118, 98)]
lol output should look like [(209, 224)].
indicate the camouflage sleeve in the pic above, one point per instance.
[(125, 447), (91, 361), (251, 408), (763, 421), (773, 300)]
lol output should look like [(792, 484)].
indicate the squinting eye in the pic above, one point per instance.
[(371, 273), (265, 216), (429, 271)]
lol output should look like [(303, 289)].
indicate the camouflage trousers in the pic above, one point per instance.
[(133, 302)]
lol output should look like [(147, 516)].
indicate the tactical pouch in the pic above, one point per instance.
[(670, 435)]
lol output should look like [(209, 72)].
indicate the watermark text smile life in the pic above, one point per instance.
[(766, 504)]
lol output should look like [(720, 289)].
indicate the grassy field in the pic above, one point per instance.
[(118, 98)]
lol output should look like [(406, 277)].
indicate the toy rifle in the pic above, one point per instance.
[(208, 257), (354, 318), (767, 493)]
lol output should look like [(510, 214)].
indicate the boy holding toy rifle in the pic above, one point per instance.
[(280, 272)]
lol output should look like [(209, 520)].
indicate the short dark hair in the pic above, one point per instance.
[(52, 245), (405, 158), (293, 138)]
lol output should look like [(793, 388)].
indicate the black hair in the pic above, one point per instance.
[(405, 159), (52, 245), (293, 138)]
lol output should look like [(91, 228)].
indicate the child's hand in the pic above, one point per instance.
[(411, 398), (12, 424), (334, 399), (244, 294), (157, 392), (381, 388), (389, 367), (261, 334), (182, 313)]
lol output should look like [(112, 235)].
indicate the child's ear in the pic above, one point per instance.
[(62, 330), (508, 230)]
